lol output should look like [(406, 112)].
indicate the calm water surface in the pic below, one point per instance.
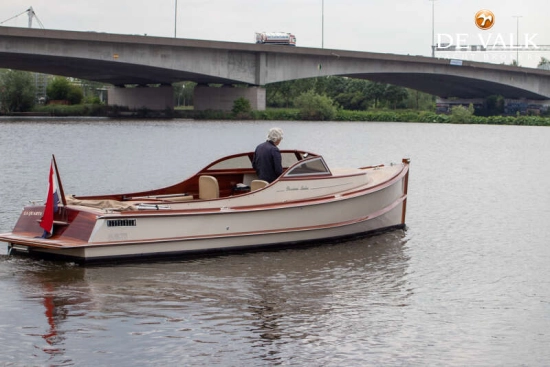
[(467, 283)]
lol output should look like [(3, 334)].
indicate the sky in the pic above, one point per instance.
[(386, 26)]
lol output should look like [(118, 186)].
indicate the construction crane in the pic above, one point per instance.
[(30, 12), (40, 80)]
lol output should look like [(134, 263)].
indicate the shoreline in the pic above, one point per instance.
[(279, 114)]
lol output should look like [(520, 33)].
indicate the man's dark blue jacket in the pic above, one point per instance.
[(267, 161)]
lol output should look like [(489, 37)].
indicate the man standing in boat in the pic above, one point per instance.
[(267, 157)]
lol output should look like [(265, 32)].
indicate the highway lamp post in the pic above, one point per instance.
[(433, 27), (322, 23), (175, 19), (517, 38)]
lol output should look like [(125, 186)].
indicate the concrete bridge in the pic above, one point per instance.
[(123, 60)]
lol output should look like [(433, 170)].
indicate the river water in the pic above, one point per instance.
[(467, 283)]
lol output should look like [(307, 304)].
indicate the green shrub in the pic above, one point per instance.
[(92, 100), (241, 108), (74, 94), (315, 107), (16, 91), (59, 88), (461, 114)]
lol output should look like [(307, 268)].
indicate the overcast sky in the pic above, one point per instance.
[(390, 26)]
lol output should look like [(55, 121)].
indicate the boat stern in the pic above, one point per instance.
[(71, 229)]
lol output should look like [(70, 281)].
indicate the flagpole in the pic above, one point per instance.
[(61, 192)]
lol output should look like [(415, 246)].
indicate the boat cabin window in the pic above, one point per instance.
[(309, 167), (236, 162)]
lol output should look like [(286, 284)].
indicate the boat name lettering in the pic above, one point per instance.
[(32, 213), (118, 236), (288, 188)]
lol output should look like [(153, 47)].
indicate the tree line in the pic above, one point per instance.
[(349, 94), (18, 91)]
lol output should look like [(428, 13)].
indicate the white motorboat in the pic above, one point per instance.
[(223, 207)]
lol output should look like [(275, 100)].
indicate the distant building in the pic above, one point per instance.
[(512, 107), (41, 84), (443, 105)]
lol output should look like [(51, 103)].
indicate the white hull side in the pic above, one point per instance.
[(158, 227), (388, 219)]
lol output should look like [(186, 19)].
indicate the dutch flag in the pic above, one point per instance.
[(52, 201)]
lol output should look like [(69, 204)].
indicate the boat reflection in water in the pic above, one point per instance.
[(51, 337), (266, 300), (222, 207)]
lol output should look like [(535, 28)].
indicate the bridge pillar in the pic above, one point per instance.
[(222, 98), (151, 98)]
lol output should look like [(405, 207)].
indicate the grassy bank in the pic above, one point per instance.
[(73, 110), (291, 114), (369, 116), (431, 117)]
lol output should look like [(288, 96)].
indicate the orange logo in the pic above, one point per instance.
[(484, 19)]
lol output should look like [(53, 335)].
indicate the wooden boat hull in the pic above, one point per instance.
[(219, 243), (190, 228)]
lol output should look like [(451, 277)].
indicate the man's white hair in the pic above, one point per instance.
[(275, 134)]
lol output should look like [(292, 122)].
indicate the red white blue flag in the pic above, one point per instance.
[(52, 201)]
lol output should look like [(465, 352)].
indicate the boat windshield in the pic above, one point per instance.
[(315, 166)]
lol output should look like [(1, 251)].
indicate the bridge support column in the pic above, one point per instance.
[(222, 98), (151, 98)]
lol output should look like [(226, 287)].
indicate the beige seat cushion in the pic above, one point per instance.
[(208, 188), (258, 184)]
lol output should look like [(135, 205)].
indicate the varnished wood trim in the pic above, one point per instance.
[(61, 191)]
